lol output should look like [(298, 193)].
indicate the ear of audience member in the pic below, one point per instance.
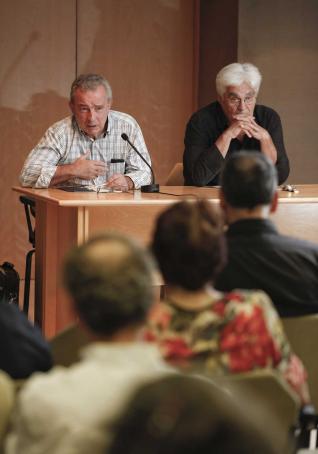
[(186, 415)]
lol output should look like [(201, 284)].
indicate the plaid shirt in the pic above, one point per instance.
[(64, 142)]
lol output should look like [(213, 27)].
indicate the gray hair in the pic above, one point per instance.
[(110, 280), (248, 179), (236, 74), (90, 82)]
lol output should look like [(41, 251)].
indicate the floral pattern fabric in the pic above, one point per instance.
[(239, 332)]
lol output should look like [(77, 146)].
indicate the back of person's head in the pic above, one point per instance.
[(110, 281), (188, 244), (185, 415), (248, 179), (236, 74), (90, 82)]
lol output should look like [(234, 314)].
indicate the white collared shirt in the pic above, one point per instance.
[(70, 410), (64, 142)]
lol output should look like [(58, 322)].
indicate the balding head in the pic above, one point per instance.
[(110, 281)]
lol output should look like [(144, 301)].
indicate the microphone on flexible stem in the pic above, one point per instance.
[(153, 187)]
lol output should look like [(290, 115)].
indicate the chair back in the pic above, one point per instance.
[(7, 397), (267, 397), (29, 209), (302, 333), (65, 346), (175, 177)]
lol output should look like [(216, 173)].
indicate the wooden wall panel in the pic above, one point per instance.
[(218, 43), (281, 38), (146, 50), (37, 51)]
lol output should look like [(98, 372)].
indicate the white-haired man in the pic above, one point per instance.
[(230, 124)]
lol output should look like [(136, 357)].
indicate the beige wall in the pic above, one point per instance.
[(217, 43), (144, 47), (281, 38), (37, 49), (150, 52), (146, 50)]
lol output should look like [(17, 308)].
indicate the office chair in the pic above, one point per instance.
[(264, 392), (66, 345), (302, 333), (29, 209), (175, 177)]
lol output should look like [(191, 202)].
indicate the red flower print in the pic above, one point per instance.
[(248, 343), (149, 336), (176, 348), (234, 296), (219, 308), (160, 316)]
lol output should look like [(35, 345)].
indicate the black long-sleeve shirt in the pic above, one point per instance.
[(284, 267), (23, 348), (202, 160)]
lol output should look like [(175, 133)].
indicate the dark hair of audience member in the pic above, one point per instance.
[(110, 281), (248, 179), (180, 414), (189, 245)]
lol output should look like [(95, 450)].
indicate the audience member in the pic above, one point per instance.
[(233, 123), (24, 350), (65, 411), (285, 268), (87, 147), (200, 329), (186, 415)]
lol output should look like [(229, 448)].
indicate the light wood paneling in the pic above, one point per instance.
[(37, 51), (218, 43), (281, 38), (62, 223), (145, 47), (146, 50)]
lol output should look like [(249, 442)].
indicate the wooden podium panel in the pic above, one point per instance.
[(299, 219), (64, 219)]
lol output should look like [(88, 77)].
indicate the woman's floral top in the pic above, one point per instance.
[(239, 332)]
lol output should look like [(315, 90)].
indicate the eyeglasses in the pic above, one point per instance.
[(235, 101)]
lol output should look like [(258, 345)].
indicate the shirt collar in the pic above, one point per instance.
[(251, 227)]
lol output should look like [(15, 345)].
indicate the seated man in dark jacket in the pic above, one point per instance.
[(259, 257), (23, 348), (233, 123)]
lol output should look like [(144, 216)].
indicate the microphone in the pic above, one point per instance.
[(153, 187)]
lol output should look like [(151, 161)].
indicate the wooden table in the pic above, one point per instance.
[(67, 218)]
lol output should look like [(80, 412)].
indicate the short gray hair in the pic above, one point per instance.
[(248, 179), (91, 82), (110, 280), (236, 74)]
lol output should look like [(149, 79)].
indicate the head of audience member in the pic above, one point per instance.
[(90, 102), (180, 414), (189, 245), (109, 279), (248, 186), (237, 86)]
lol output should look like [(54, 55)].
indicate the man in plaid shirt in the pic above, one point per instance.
[(87, 148)]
